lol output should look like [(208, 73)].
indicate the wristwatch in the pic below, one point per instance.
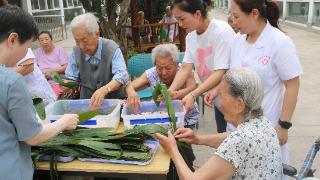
[(284, 124)]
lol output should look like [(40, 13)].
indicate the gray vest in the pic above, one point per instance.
[(94, 76)]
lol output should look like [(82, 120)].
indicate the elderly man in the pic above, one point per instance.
[(97, 63), (165, 57)]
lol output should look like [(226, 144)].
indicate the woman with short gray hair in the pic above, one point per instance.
[(165, 50), (252, 151), (165, 59)]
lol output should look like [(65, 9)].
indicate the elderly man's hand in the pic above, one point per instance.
[(133, 102), (97, 98), (168, 143), (186, 135), (188, 102), (282, 134)]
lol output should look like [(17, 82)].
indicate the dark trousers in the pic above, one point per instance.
[(188, 156), (221, 123)]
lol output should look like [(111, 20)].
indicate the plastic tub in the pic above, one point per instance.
[(109, 112), (153, 117)]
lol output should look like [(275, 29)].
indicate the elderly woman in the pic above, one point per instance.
[(252, 151), (51, 58), (165, 58), (97, 63)]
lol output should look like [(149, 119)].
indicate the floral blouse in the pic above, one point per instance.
[(254, 150)]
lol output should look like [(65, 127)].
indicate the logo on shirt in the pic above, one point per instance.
[(264, 60), (203, 69)]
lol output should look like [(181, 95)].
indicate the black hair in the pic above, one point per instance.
[(45, 32), (268, 9), (15, 19), (191, 6)]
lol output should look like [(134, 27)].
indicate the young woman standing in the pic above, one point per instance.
[(207, 50), (264, 48)]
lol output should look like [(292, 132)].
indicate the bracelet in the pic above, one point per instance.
[(23, 65), (194, 96), (108, 88)]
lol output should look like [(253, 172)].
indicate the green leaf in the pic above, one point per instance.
[(85, 116), (162, 88), (56, 77), (39, 106)]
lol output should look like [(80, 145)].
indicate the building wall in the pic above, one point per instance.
[(301, 12)]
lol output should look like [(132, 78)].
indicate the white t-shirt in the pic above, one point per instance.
[(210, 50), (254, 150), (273, 56), (37, 83)]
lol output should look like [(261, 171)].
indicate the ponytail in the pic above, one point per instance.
[(272, 13)]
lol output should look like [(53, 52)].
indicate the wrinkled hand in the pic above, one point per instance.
[(168, 143), (133, 102), (282, 134), (173, 94), (210, 96), (70, 121), (188, 102), (186, 135), (97, 98)]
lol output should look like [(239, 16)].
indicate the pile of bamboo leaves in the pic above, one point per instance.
[(99, 143)]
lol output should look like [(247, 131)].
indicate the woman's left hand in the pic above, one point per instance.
[(168, 143), (282, 134)]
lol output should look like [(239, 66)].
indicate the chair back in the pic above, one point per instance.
[(139, 63)]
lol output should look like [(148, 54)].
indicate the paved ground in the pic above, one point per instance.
[(306, 119)]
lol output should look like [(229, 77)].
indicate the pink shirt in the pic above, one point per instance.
[(56, 58)]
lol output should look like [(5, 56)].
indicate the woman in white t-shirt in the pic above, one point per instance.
[(207, 50), (262, 47)]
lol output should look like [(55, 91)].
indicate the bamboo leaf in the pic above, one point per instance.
[(39, 106), (85, 116), (56, 77), (162, 88)]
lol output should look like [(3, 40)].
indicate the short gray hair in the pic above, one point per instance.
[(246, 84), (88, 21), (165, 50)]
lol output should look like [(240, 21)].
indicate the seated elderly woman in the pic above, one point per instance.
[(51, 58), (165, 58), (252, 151)]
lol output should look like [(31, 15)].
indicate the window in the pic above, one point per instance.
[(56, 3), (70, 3), (298, 12), (75, 3), (50, 4), (65, 3), (34, 4), (316, 14), (42, 5)]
